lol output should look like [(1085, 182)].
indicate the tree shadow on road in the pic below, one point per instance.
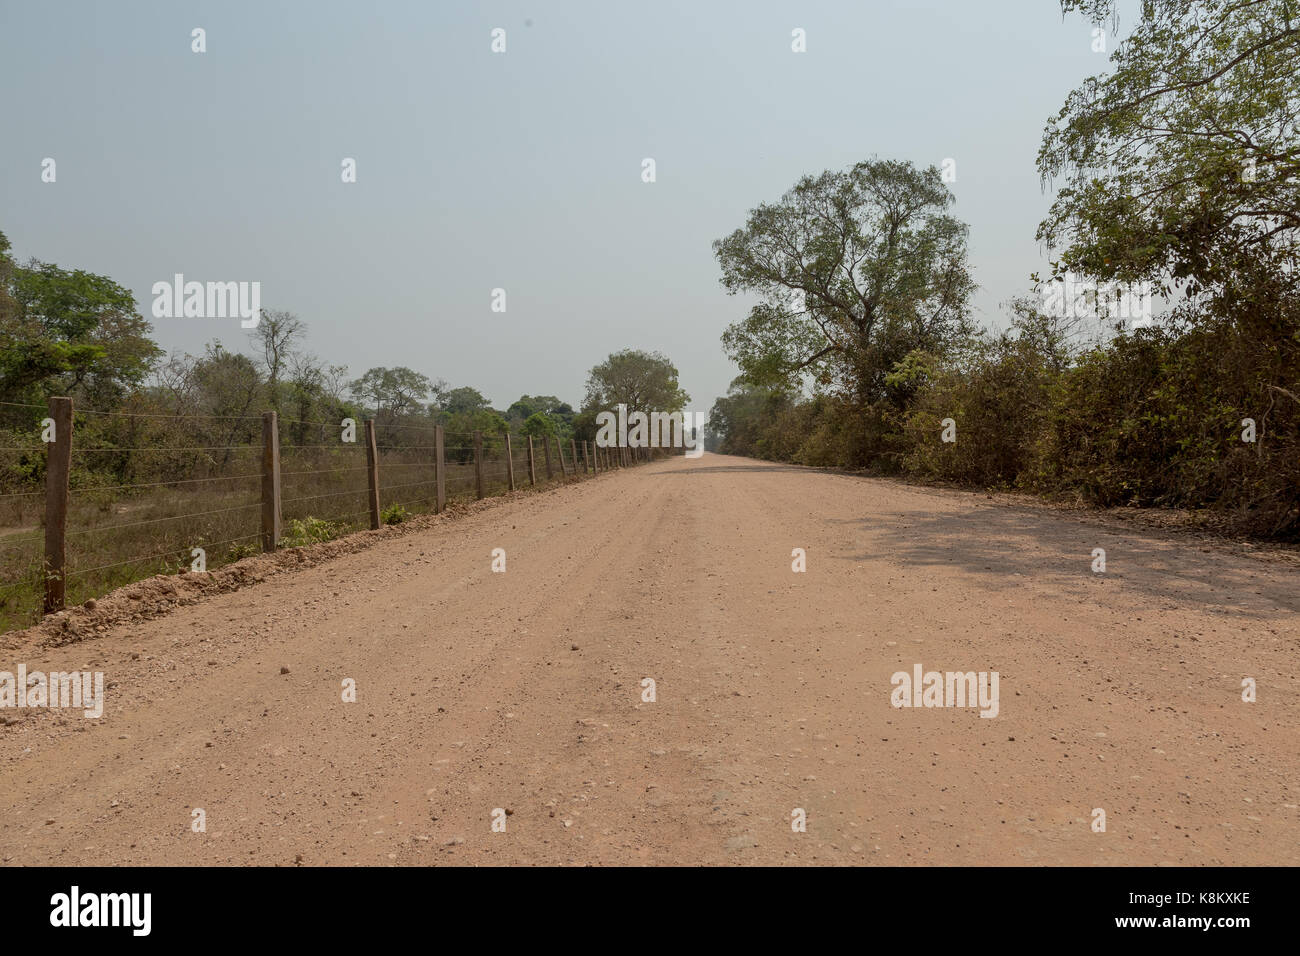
[(1009, 547)]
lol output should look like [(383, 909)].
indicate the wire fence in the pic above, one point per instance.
[(170, 500)]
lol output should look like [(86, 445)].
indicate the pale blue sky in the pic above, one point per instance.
[(520, 170)]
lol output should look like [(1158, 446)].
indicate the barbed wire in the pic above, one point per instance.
[(215, 418), (175, 448), (325, 471), (136, 524), (157, 484), (333, 494), (161, 554)]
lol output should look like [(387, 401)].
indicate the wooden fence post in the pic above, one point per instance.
[(546, 451), (586, 457), (372, 473), (559, 453), (58, 465), (270, 481), (532, 463), (440, 467), (510, 462), (478, 463), (573, 455)]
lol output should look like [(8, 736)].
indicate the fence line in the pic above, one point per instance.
[(482, 464)]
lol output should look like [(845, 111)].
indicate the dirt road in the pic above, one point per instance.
[(522, 691)]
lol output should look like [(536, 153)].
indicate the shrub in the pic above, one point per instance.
[(300, 532)]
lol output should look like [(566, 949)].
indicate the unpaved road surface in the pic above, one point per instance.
[(523, 691)]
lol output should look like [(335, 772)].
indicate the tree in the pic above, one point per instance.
[(854, 269), (8, 305), (643, 381), (1182, 165), (549, 404), (69, 332), (276, 338), (538, 425), (464, 399), (739, 419), (228, 386), (521, 410), (391, 392)]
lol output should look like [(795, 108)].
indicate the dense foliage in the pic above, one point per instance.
[(1180, 168)]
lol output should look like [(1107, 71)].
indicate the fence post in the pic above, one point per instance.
[(573, 455), (58, 464), (510, 462), (372, 473), (586, 457), (270, 481), (532, 463), (478, 463), (546, 451), (559, 453), (440, 467)]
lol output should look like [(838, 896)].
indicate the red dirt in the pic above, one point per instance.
[(522, 691)]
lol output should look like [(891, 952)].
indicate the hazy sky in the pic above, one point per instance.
[(519, 170)]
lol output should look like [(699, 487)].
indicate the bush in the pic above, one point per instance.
[(300, 532), (1153, 417)]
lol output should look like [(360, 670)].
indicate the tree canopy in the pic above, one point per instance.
[(853, 269), (643, 381), (69, 333), (1181, 164)]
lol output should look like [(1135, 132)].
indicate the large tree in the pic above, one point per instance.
[(456, 401), (70, 333), (1182, 164), (643, 381), (853, 269), (391, 392)]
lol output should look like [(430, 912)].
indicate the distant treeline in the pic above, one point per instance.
[(145, 416)]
